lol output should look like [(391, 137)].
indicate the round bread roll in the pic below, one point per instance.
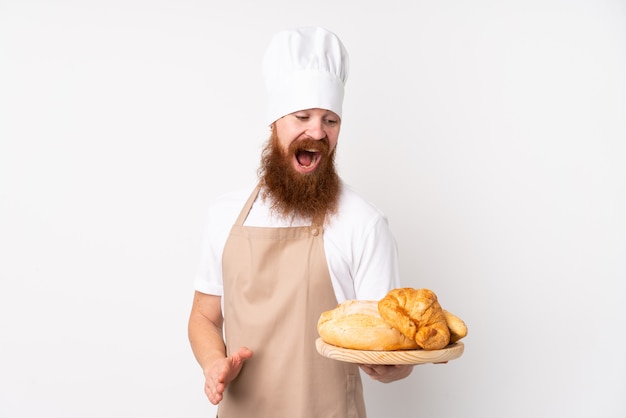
[(357, 324), (417, 314)]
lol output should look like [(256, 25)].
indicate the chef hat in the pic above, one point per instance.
[(304, 68)]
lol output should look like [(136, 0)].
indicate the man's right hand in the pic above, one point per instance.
[(219, 375)]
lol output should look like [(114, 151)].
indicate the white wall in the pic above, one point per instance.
[(493, 135)]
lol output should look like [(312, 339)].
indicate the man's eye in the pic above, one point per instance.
[(331, 122), (300, 117)]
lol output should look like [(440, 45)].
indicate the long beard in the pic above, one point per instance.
[(313, 195)]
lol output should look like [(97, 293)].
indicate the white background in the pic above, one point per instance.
[(492, 133)]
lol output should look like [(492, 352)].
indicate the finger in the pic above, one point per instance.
[(244, 353), (215, 398), (379, 369), (221, 376), (215, 393), (367, 369), (376, 370)]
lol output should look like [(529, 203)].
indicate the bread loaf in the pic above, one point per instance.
[(357, 324)]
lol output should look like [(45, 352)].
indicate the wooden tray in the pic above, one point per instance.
[(451, 352)]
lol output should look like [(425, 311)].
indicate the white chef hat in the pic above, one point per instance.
[(304, 68)]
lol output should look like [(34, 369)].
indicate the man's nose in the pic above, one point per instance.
[(315, 129)]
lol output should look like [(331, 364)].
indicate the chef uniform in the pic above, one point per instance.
[(276, 280)]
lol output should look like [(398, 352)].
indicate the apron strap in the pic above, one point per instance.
[(246, 208)]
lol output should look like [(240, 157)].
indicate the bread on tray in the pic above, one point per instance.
[(404, 319)]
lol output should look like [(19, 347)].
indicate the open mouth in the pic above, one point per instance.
[(307, 158)]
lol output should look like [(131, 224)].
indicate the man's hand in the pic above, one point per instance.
[(222, 372), (387, 374)]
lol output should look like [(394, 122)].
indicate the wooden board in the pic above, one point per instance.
[(451, 352)]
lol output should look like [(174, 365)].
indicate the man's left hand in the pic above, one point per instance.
[(387, 374)]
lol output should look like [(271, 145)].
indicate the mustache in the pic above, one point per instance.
[(318, 145)]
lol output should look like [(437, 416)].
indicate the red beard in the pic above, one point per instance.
[(312, 195)]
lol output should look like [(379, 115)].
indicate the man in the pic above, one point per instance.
[(277, 257)]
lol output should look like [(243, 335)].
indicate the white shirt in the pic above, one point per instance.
[(360, 250)]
